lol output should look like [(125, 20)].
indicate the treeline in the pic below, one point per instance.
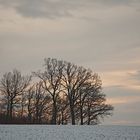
[(61, 94)]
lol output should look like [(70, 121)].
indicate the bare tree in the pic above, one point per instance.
[(73, 79), (95, 107), (63, 110), (12, 85), (65, 93), (29, 103), (91, 87), (51, 79), (41, 101)]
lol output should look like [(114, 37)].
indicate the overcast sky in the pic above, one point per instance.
[(103, 35)]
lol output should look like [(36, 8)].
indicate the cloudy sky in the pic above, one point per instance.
[(103, 35)]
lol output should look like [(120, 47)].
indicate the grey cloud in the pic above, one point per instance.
[(135, 76), (116, 2), (1, 50), (57, 8), (138, 10), (42, 8)]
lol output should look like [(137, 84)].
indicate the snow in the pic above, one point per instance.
[(68, 132)]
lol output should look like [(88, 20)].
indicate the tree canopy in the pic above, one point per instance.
[(65, 93)]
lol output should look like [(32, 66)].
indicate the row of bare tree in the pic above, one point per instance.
[(63, 93)]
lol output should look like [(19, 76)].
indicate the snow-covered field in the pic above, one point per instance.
[(46, 132)]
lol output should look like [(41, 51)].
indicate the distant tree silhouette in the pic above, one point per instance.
[(51, 79), (12, 85), (65, 93)]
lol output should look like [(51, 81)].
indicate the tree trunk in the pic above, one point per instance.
[(81, 115), (29, 117), (72, 113), (88, 122), (62, 117), (8, 109), (11, 109), (37, 114), (40, 115), (22, 110), (54, 113)]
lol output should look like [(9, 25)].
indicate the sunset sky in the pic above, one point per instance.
[(103, 35)]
